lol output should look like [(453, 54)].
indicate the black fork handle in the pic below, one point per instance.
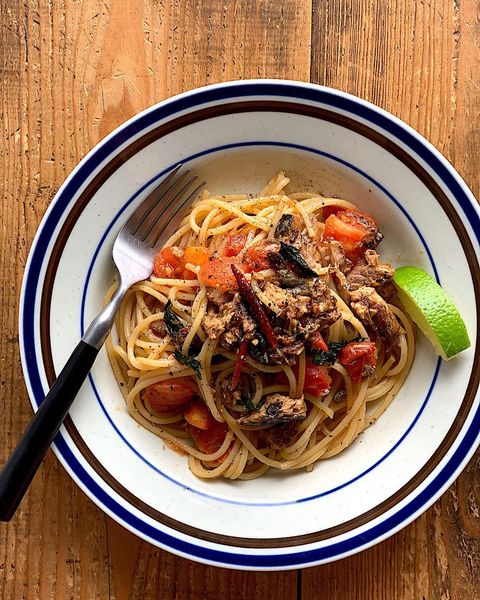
[(22, 465)]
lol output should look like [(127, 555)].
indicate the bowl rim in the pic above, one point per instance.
[(242, 88)]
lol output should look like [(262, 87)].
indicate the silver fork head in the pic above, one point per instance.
[(135, 246)]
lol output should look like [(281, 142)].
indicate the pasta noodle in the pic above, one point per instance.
[(154, 366)]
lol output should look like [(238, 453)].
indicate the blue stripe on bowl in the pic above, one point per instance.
[(338, 100), (119, 215), (303, 558)]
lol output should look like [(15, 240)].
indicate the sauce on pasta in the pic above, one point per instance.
[(268, 336)]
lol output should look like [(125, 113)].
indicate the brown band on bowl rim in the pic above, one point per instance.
[(242, 107)]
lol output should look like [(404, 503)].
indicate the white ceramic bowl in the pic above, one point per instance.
[(238, 135)]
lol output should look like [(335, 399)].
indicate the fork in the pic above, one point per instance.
[(134, 249)]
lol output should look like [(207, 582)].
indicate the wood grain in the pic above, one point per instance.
[(71, 71), (416, 59)]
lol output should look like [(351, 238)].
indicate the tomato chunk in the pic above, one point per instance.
[(217, 273), (168, 395), (330, 210), (198, 415), (359, 359), (317, 378), (235, 244), (169, 263), (210, 440), (353, 229), (256, 256), (196, 255)]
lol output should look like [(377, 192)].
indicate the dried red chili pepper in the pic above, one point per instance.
[(255, 305), (241, 355), (317, 342)]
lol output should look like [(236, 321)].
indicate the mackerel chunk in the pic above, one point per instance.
[(306, 308), (375, 313), (229, 323), (276, 409), (369, 272)]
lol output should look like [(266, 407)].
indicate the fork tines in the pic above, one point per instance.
[(156, 212)]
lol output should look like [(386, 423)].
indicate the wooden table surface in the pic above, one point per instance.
[(72, 70)]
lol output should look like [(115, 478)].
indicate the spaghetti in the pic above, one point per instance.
[(268, 335)]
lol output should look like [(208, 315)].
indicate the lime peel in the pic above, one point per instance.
[(432, 310)]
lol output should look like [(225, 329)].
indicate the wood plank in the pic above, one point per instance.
[(41, 549), (176, 46), (418, 60), (375, 573), (455, 522), (466, 134), (72, 72), (399, 55), (151, 573)]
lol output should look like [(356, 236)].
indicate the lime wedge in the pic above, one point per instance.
[(432, 310)]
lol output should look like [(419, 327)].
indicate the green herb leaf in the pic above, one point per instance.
[(249, 405), (328, 357), (188, 361), (172, 322)]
